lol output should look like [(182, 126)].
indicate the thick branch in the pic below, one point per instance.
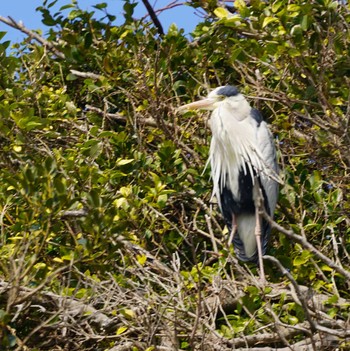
[(44, 299), (86, 74), (242, 343), (74, 213), (154, 17)]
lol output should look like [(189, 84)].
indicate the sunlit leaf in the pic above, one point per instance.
[(221, 12), (121, 330), (268, 20)]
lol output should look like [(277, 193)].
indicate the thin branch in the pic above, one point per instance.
[(151, 122), (296, 288), (18, 25), (306, 245), (86, 74), (74, 213)]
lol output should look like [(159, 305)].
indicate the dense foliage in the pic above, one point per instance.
[(108, 237)]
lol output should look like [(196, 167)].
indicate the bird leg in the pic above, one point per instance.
[(257, 201), (233, 229), (258, 244)]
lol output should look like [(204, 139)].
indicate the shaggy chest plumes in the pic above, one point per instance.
[(232, 148)]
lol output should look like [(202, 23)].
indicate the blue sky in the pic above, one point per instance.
[(24, 10)]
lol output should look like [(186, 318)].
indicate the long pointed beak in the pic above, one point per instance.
[(205, 104)]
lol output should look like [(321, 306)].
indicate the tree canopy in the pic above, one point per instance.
[(109, 239)]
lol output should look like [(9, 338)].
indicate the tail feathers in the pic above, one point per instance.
[(244, 240)]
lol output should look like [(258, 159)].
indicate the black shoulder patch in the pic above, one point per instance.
[(228, 91), (256, 115)]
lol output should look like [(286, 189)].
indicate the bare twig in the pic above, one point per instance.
[(74, 213), (306, 245), (18, 25), (151, 122), (296, 287), (86, 74)]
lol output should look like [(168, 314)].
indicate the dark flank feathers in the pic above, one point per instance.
[(243, 203)]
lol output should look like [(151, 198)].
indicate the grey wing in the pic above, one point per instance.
[(270, 175)]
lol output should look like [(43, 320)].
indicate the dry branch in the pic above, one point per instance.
[(74, 213), (86, 74), (308, 246), (151, 122), (309, 344), (162, 301), (43, 300), (18, 25)]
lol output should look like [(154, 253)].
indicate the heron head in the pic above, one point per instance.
[(223, 94)]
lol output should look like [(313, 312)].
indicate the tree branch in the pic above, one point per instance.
[(151, 122), (18, 25), (154, 17), (86, 74), (43, 300), (306, 245)]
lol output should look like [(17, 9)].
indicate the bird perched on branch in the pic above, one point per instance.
[(243, 169)]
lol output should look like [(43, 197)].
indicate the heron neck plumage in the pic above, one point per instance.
[(232, 146)]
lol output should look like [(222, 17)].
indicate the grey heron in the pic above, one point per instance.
[(243, 169)]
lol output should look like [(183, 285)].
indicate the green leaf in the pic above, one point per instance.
[(235, 53), (162, 199), (333, 5), (221, 12), (293, 8), (315, 180), (92, 148), (126, 191), (240, 5), (121, 330), (100, 6), (122, 162), (268, 20), (71, 77), (75, 14), (51, 4), (277, 5), (141, 259), (127, 312), (296, 30), (2, 34), (95, 198), (88, 40), (28, 123), (68, 257), (332, 300), (304, 22), (48, 20), (60, 185), (5, 317), (121, 202), (68, 6), (302, 258), (129, 10)]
